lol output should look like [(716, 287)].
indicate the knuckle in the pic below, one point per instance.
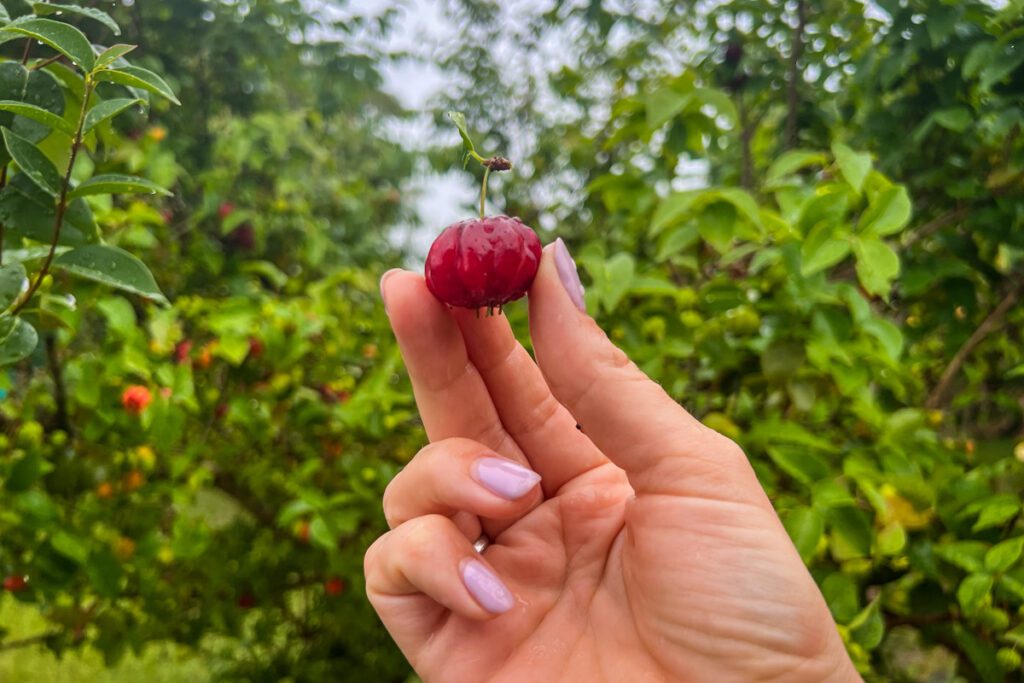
[(420, 536)]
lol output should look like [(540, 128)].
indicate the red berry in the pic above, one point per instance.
[(255, 347), (483, 262), (225, 210), (15, 583), (182, 351), (334, 586), (247, 601), (136, 399)]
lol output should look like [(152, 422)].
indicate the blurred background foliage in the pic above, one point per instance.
[(804, 218)]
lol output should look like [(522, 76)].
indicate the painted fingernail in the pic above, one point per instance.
[(486, 587), (504, 478), (568, 274), (383, 279)]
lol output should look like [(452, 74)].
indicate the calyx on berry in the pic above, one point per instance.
[(483, 262)]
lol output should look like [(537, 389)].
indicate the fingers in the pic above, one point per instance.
[(629, 417), (539, 424), (451, 397), (426, 563), (459, 475)]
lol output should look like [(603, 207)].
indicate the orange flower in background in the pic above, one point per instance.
[(157, 133), (105, 490), (136, 399)]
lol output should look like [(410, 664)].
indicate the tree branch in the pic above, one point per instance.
[(937, 397), (936, 224), (28, 642), (59, 390), (792, 93)]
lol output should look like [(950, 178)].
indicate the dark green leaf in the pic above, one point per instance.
[(45, 8), (38, 114), (112, 54), (105, 573), (28, 211), (801, 464), (851, 533), (106, 110), (18, 340), (981, 654), (868, 627), (137, 77), (840, 591), (62, 37), (12, 283), (4, 16), (663, 104), (805, 526), (111, 266), (853, 165), (24, 472), (717, 225), (36, 88), (34, 164), (968, 555), (117, 184)]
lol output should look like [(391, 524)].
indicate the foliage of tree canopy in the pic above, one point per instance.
[(838, 289)]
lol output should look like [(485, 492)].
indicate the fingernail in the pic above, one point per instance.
[(486, 587), (383, 279), (568, 274), (504, 478)]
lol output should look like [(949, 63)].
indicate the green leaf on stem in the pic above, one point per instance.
[(43, 9), (888, 213), (459, 119), (107, 109), (137, 77), (36, 88), (877, 265), (112, 54), (853, 165), (4, 15), (28, 211), (1003, 556), (63, 38), (36, 165), (12, 282), (805, 526), (38, 114), (117, 184), (111, 266), (18, 340)]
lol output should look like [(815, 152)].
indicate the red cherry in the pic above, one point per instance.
[(483, 262), (334, 586), (15, 583), (136, 399)]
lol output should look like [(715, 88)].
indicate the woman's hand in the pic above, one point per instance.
[(638, 547)]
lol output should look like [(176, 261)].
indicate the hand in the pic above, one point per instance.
[(641, 548)]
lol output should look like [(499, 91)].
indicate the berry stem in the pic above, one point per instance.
[(483, 190)]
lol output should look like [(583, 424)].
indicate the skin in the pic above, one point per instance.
[(648, 551)]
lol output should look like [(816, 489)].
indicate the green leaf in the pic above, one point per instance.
[(851, 533), (105, 573), (459, 119), (111, 266), (117, 184), (981, 654), (822, 249), (112, 54), (956, 119), (892, 539), (28, 211), (997, 511), (107, 110), (4, 16), (38, 114), (36, 88), (793, 161), (840, 591), (805, 526), (853, 165), (663, 104), (671, 209), (719, 101), (43, 9), (968, 555), (1001, 65), (1002, 556), (868, 628), (62, 37), (18, 340), (677, 240), (24, 472), (888, 335), (973, 591), (12, 283), (34, 164), (877, 265), (137, 77), (620, 270), (70, 547), (801, 464), (888, 213), (978, 56), (717, 225)]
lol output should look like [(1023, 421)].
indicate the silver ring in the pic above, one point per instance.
[(481, 543)]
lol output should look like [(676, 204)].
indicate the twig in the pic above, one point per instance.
[(935, 225), (62, 204), (746, 134), (792, 93), (46, 62), (28, 48), (59, 390), (994, 319), (28, 642)]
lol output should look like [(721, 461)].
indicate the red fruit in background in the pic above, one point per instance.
[(483, 262), (255, 347), (242, 238), (334, 586), (247, 601), (15, 584), (136, 399), (182, 351), (225, 210)]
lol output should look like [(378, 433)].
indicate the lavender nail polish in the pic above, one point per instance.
[(486, 587), (504, 478), (568, 274)]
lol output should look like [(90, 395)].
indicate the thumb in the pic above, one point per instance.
[(630, 418)]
